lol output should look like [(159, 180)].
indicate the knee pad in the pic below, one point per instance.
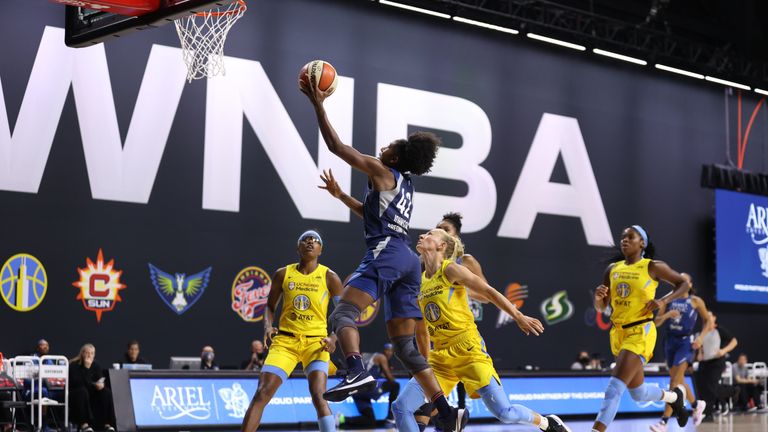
[(409, 356), (611, 401), (646, 392), (343, 315)]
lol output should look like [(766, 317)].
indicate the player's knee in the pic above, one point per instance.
[(400, 407), (344, 315), (409, 356), (646, 392), (615, 389)]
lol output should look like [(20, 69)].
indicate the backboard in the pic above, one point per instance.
[(85, 27)]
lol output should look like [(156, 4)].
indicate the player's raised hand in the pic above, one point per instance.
[(529, 325), (331, 185)]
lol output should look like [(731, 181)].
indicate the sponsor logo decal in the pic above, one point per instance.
[(557, 308), (516, 294), (369, 314), (99, 285), (23, 282), (250, 291), (179, 291)]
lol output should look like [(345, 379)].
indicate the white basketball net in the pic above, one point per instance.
[(203, 36)]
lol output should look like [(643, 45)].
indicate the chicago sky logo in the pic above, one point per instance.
[(23, 282), (557, 308), (179, 291), (99, 285), (757, 228), (250, 292), (516, 294)]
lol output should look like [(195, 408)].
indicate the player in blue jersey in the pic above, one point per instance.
[(390, 268), (680, 347)]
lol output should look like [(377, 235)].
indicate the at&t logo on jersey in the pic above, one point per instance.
[(250, 292), (99, 285), (23, 282)]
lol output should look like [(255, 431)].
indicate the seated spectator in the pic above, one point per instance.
[(90, 401), (132, 354), (206, 359), (582, 361), (258, 355), (596, 362), (750, 388), (379, 368)]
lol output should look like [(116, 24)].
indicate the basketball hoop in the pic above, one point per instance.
[(203, 35)]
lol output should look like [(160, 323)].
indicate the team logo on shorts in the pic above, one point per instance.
[(557, 308), (250, 291), (623, 290), (99, 285), (516, 294), (301, 302), (23, 282), (368, 314), (432, 312), (179, 291)]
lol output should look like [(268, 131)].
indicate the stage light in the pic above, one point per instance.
[(728, 83), (556, 41), (598, 51), (414, 9), (485, 25), (761, 91), (679, 71)]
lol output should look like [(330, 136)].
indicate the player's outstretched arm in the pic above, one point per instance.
[(333, 188), (474, 266), (661, 271), (333, 282), (461, 275), (369, 165)]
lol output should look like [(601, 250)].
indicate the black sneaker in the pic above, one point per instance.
[(455, 422), (556, 425), (360, 382), (678, 408)]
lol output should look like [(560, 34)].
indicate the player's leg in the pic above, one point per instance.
[(281, 360), (496, 400), (317, 375)]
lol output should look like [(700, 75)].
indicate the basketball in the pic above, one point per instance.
[(322, 73)]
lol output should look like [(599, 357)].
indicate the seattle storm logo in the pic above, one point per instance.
[(432, 312), (758, 232)]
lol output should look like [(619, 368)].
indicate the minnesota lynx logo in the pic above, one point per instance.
[(757, 228), (557, 308)]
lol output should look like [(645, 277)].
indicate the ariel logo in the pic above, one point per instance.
[(557, 308)]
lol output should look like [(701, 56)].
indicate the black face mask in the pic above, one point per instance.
[(584, 360)]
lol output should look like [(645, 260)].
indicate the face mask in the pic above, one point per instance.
[(584, 360), (207, 356)]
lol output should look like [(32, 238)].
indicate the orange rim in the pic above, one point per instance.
[(239, 9)]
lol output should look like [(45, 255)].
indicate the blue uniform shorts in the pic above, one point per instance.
[(678, 349), (393, 271)]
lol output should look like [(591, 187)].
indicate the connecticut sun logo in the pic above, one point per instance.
[(368, 314), (250, 292), (23, 282), (99, 285)]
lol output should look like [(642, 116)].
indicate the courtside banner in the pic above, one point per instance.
[(202, 402), (741, 227)]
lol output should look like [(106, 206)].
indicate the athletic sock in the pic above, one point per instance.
[(693, 405), (355, 362), (664, 420), (543, 423), (669, 397), (441, 403)]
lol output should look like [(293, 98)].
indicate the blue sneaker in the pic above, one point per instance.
[(354, 382)]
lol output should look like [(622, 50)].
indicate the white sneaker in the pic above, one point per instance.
[(698, 413), (659, 427)]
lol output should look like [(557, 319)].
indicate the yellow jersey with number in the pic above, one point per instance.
[(305, 302), (631, 289), (445, 309)]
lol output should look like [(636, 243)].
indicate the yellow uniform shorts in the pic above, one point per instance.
[(287, 351), (467, 361), (639, 339)]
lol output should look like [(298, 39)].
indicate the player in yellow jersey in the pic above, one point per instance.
[(629, 287), (459, 352), (306, 288)]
